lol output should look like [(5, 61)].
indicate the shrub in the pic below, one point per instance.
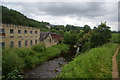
[(62, 47), (86, 46), (22, 52), (11, 62), (39, 47), (31, 61), (115, 38), (52, 51)]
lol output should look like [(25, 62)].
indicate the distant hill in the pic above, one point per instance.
[(10, 16)]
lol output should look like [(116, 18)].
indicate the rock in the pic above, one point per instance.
[(60, 63), (55, 70)]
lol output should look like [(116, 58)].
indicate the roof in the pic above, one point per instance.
[(43, 35)]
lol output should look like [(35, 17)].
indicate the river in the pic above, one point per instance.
[(48, 69)]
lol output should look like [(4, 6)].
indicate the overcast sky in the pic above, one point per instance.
[(74, 13)]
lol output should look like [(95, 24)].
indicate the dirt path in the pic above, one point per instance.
[(115, 65)]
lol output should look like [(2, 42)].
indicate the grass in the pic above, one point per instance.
[(16, 60), (118, 60), (115, 38), (96, 63)]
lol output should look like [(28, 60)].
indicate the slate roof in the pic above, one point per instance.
[(44, 35)]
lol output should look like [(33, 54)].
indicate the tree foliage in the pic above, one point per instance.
[(86, 29), (101, 35), (70, 38), (10, 16)]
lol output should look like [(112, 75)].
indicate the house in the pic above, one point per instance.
[(18, 36), (50, 38), (57, 37), (46, 38)]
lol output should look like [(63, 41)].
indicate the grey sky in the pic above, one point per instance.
[(75, 13)]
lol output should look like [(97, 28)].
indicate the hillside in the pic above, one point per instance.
[(10, 16), (96, 63)]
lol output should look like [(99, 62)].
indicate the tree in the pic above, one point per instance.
[(70, 38), (100, 35), (10, 16), (86, 29)]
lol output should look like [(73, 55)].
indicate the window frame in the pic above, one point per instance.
[(19, 32), (19, 43), (11, 31)]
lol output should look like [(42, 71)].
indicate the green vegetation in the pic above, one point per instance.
[(16, 60), (88, 38), (115, 38), (39, 47), (118, 60), (70, 38), (96, 63), (10, 16)]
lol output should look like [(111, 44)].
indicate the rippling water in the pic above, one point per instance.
[(48, 69)]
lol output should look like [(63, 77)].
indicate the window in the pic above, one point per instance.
[(19, 36), (35, 41), (25, 32), (2, 31), (11, 31), (50, 40), (19, 31), (11, 36), (31, 42), (2, 44), (30, 32), (11, 44), (26, 43), (19, 43), (35, 32)]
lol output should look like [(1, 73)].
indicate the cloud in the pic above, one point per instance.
[(76, 13)]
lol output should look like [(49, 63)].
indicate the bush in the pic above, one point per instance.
[(115, 38), (38, 47), (86, 46), (22, 52), (31, 61), (11, 62), (52, 51), (62, 47)]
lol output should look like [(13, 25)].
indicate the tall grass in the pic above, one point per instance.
[(96, 63), (15, 60), (115, 38)]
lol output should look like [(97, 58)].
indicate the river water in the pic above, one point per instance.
[(48, 69)]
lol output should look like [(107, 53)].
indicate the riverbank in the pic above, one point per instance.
[(48, 69), (15, 61), (96, 63)]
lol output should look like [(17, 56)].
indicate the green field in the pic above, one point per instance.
[(96, 63)]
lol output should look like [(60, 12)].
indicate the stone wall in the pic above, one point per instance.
[(49, 41), (21, 34)]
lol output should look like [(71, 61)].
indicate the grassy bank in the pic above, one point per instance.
[(96, 63), (16, 60), (115, 38), (118, 60)]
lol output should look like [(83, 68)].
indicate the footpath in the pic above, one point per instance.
[(115, 65)]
